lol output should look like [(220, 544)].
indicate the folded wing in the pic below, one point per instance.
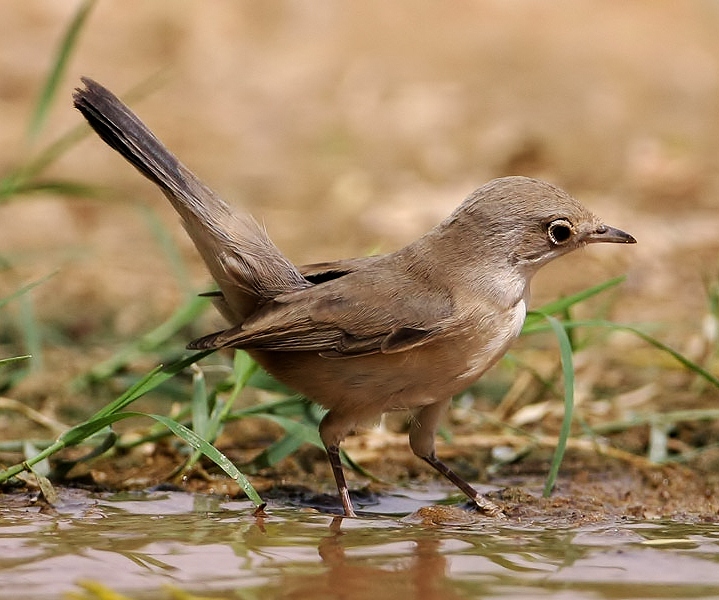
[(342, 317)]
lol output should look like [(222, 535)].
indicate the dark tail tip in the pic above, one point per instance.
[(123, 131)]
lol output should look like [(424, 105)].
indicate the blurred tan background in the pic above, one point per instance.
[(353, 127)]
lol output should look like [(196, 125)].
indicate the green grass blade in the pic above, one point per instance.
[(196, 442), (21, 180), (673, 417), (299, 433), (54, 186), (25, 289), (200, 403), (169, 248), (85, 430), (243, 368), (562, 305), (565, 349), (39, 468), (67, 45), (277, 451), (71, 437), (689, 364), (4, 361), (307, 434), (149, 342), (678, 356), (264, 381), (209, 422), (149, 382), (31, 332), (294, 406)]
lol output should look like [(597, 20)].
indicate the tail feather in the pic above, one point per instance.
[(242, 259)]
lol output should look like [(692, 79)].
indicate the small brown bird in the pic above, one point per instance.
[(364, 336)]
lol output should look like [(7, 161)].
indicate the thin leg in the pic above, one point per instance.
[(333, 453), (421, 439), (487, 506)]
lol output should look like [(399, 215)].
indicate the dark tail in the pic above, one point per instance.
[(242, 259), (118, 126)]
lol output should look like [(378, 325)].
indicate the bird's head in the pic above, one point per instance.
[(527, 223)]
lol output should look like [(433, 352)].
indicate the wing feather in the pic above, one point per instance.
[(349, 316)]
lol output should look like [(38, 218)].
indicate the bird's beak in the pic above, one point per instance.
[(604, 233)]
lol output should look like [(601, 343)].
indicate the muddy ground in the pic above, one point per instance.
[(352, 128)]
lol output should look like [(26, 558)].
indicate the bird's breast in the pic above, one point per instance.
[(489, 336)]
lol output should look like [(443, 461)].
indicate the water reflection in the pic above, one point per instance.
[(138, 543), (366, 567)]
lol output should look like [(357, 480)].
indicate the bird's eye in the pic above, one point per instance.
[(560, 231)]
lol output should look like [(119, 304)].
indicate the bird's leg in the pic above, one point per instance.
[(333, 453), (486, 506), (421, 439), (332, 430)]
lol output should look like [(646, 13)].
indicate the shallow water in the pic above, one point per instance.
[(141, 543)]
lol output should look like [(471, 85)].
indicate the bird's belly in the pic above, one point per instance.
[(377, 383)]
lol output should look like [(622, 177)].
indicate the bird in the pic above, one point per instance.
[(361, 337)]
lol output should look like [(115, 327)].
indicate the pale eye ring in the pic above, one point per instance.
[(560, 231)]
